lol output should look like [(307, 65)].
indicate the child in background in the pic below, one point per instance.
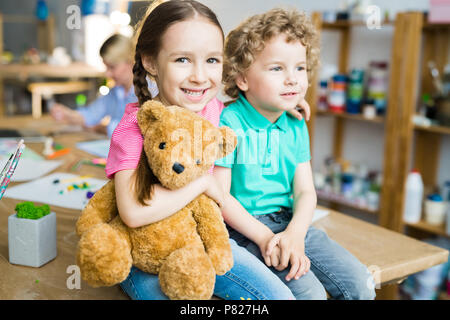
[(266, 65), (117, 56), (188, 73)]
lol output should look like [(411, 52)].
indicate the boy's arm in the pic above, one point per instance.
[(305, 200), (237, 217), (292, 240)]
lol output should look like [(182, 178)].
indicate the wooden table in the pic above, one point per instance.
[(23, 72), (389, 255)]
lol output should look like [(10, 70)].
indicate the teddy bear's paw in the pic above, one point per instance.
[(187, 274), (222, 259), (103, 256)]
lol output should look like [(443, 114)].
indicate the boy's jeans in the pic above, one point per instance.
[(249, 279), (333, 268)]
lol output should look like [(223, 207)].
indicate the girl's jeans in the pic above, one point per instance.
[(249, 279), (333, 268)]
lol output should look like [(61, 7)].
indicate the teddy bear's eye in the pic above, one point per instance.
[(162, 145)]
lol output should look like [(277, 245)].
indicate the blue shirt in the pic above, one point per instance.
[(113, 104), (266, 156)]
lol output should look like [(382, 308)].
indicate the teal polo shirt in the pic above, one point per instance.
[(266, 156)]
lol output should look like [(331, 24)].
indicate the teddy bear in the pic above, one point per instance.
[(186, 249)]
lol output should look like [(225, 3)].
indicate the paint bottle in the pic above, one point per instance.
[(337, 94), (322, 104), (355, 91), (377, 85), (413, 197)]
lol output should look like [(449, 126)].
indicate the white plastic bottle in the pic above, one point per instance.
[(413, 197)]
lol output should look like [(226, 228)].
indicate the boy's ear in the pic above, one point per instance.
[(150, 111), (241, 82), (149, 65)]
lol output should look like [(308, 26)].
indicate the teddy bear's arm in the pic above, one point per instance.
[(213, 233), (102, 208)]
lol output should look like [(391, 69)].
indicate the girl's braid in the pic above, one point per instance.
[(140, 80)]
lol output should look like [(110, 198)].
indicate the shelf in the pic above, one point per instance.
[(425, 226), (348, 24), (337, 201), (436, 129), (351, 116)]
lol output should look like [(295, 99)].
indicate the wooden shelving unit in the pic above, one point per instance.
[(340, 119), (351, 116), (407, 63), (424, 226)]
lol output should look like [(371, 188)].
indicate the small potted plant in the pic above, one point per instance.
[(32, 235)]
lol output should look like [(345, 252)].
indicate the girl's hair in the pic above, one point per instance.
[(159, 17), (116, 49), (244, 43)]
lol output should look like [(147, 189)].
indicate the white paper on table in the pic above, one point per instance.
[(43, 190), (319, 214), (31, 165), (29, 169), (99, 148)]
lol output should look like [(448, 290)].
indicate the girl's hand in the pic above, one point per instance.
[(292, 251), (303, 105), (214, 190)]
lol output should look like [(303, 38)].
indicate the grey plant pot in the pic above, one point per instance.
[(32, 242)]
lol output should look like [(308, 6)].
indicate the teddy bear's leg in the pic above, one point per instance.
[(104, 254), (101, 208), (187, 274), (213, 233)]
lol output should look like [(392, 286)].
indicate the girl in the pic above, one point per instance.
[(188, 73)]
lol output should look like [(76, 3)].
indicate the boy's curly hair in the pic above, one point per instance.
[(244, 43)]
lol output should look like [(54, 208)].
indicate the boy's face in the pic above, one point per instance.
[(121, 73), (188, 68), (277, 80)]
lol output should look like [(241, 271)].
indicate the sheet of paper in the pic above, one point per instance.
[(31, 164), (44, 190), (99, 148), (29, 169)]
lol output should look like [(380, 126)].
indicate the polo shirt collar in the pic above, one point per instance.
[(256, 120)]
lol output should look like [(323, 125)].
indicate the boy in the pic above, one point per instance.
[(272, 196), (117, 54)]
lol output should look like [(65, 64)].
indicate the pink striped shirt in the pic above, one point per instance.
[(126, 140)]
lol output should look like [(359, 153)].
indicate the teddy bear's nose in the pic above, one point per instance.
[(178, 167)]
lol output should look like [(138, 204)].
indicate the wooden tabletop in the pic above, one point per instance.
[(74, 70), (390, 256)]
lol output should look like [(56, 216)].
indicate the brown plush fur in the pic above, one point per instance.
[(186, 249)]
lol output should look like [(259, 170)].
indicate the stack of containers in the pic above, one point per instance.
[(337, 93)]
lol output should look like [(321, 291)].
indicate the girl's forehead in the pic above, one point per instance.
[(196, 32)]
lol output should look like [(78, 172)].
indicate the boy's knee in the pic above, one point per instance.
[(362, 288), (314, 291)]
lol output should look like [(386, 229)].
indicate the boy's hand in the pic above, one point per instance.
[(292, 251), (303, 105)]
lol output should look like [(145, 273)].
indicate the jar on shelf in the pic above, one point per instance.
[(355, 91), (322, 103), (337, 93), (377, 85)]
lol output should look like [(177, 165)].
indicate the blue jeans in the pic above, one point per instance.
[(249, 279), (333, 268)]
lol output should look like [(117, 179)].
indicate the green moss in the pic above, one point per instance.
[(27, 210)]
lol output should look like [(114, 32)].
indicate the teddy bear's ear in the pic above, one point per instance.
[(150, 111), (229, 141)]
